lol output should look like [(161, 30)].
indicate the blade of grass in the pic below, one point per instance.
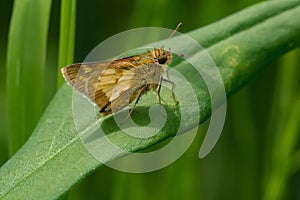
[(66, 36), (25, 68), (3, 114), (282, 156), (247, 148), (283, 127), (5, 15), (54, 158), (295, 164)]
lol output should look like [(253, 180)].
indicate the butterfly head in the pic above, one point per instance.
[(162, 56)]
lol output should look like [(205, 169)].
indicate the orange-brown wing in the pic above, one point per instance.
[(103, 82), (84, 78)]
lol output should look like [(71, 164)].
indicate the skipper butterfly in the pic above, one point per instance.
[(113, 85)]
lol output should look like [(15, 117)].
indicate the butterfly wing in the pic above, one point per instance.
[(84, 77), (110, 85)]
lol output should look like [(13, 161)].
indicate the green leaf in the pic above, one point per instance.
[(26, 57), (54, 158), (285, 116), (67, 36)]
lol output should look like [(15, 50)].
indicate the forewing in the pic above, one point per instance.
[(102, 82)]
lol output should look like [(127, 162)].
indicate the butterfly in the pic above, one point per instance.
[(114, 84)]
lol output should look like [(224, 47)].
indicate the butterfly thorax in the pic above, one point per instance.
[(157, 56)]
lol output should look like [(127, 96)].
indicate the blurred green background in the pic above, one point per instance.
[(261, 123)]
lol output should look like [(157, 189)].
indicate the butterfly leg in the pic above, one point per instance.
[(159, 88), (171, 82), (158, 93), (137, 99), (173, 86), (135, 103)]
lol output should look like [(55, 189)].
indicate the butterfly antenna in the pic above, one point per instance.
[(177, 27), (173, 32)]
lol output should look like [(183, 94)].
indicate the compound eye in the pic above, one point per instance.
[(162, 59)]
